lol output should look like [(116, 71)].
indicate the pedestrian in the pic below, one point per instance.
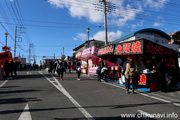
[(40, 65), (6, 69), (15, 68), (69, 66), (60, 69), (101, 64), (50, 66), (65, 66), (98, 72), (78, 68), (55, 64), (124, 65), (161, 75), (11, 64), (129, 74), (104, 72)]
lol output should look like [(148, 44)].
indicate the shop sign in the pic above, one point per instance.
[(155, 49), (94, 51), (86, 52), (129, 48), (142, 80), (106, 50)]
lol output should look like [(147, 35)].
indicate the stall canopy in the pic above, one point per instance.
[(90, 53)]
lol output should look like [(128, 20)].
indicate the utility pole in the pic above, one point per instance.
[(105, 7), (105, 22), (30, 46), (17, 36), (15, 42), (29, 53), (54, 56), (63, 50)]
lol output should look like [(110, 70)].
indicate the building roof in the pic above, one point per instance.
[(143, 30), (80, 46)]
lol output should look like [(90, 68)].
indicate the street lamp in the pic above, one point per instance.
[(88, 29), (6, 34)]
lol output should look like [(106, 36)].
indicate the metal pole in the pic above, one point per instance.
[(6, 40), (105, 22), (63, 50), (54, 56), (15, 42), (29, 53)]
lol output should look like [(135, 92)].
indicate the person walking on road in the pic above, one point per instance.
[(15, 68), (161, 75), (78, 68), (40, 65), (69, 66), (55, 64), (129, 74), (60, 69), (98, 72), (11, 64)]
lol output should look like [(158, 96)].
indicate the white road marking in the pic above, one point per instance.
[(3, 83), (153, 97), (25, 115), (62, 89), (28, 73)]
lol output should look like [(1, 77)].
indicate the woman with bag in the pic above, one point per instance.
[(129, 74), (78, 68)]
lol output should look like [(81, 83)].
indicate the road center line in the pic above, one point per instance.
[(3, 83), (62, 89), (153, 97)]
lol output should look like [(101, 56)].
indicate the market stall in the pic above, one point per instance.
[(106, 53), (147, 54), (89, 56)]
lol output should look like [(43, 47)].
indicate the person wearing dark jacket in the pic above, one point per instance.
[(78, 68), (60, 69), (15, 68), (161, 75), (11, 64), (50, 66), (69, 66)]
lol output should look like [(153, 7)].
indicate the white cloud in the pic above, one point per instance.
[(111, 35), (157, 24), (134, 26), (124, 11), (81, 36), (155, 3)]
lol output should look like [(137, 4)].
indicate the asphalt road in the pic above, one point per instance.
[(38, 95)]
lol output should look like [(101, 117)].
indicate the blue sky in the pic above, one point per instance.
[(51, 25)]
